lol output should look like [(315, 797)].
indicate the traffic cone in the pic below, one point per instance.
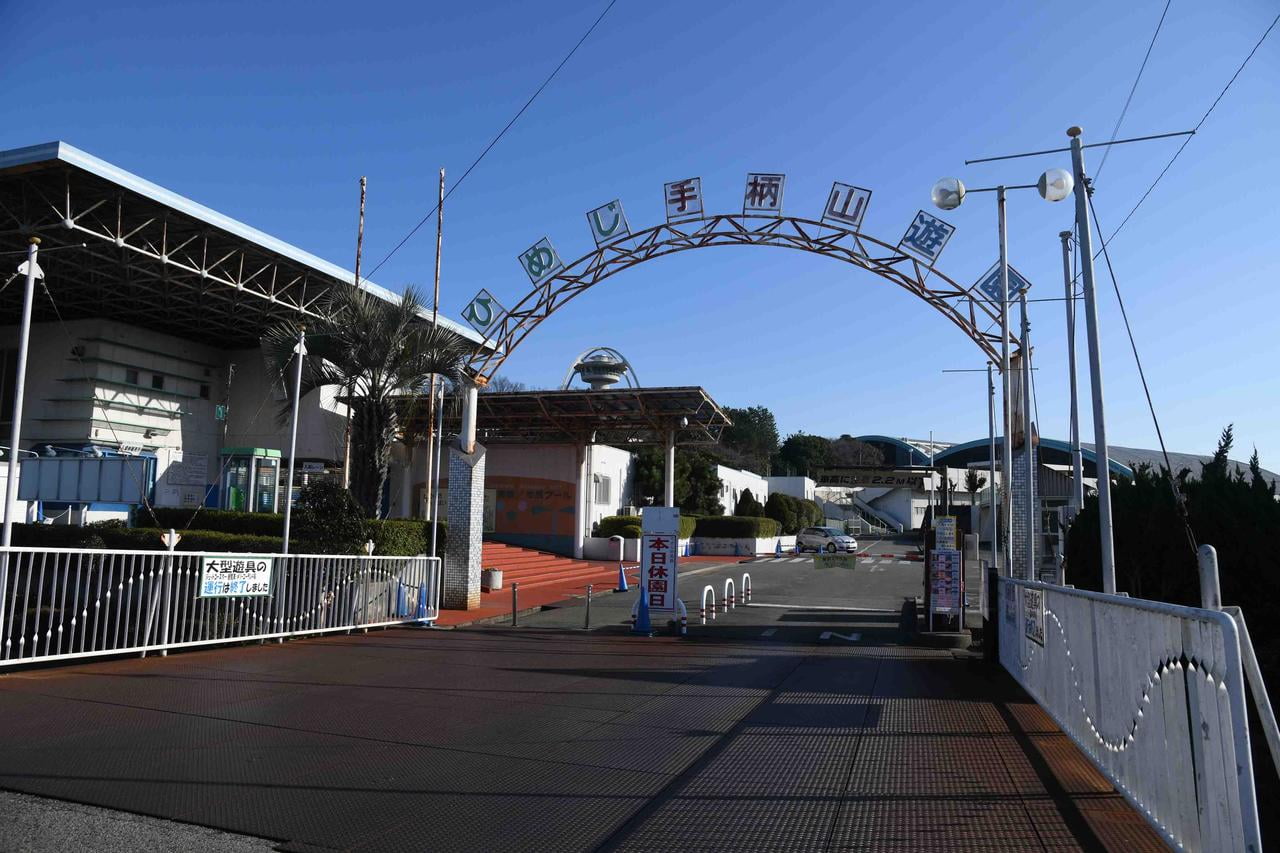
[(643, 626), (622, 579)]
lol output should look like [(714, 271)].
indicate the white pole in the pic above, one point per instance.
[(991, 470), (299, 353), (1027, 442), (19, 389), (1006, 467), (669, 473), (435, 486), (1102, 454), (15, 429), (1076, 500)]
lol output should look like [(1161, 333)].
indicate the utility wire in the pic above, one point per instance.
[(1187, 140), (1115, 131), (1178, 499), (495, 140)]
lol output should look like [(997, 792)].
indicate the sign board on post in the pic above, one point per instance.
[(1033, 614), (944, 529), (234, 575), (659, 550), (944, 581)]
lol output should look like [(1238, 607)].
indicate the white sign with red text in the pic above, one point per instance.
[(659, 556)]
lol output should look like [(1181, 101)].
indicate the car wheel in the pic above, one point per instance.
[(831, 548)]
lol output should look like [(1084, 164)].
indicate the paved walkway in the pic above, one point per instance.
[(545, 739)]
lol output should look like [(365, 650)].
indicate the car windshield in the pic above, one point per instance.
[(830, 531)]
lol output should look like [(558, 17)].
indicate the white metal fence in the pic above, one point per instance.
[(1153, 693), (60, 603)]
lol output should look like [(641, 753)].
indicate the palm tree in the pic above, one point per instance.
[(377, 351)]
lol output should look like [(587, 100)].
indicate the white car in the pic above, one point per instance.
[(826, 539)]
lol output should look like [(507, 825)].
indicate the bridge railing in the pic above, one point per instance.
[(1153, 693), (67, 603)]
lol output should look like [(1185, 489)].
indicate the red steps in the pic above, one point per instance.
[(534, 569)]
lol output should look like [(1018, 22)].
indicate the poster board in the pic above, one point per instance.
[(946, 585), (236, 575)]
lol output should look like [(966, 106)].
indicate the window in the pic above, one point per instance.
[(204, 391), (131, 376), (604, 489), (157, 381)]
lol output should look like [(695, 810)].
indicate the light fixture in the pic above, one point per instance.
[(1055, 184), (948, 193)]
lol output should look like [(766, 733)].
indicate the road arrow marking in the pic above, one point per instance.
[(827, 635), (769, 633)]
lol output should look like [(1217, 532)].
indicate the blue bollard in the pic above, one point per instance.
[(737, 549), (402, 602), (422, 601), (622, 579), (777, 549)]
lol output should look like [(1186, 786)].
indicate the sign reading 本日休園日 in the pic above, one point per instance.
[(234, 575), (659, 556)]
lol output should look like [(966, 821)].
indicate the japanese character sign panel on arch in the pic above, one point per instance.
[(659, 556)]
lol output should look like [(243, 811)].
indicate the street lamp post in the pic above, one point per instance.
[(1024, 363), (32, 271), (948, 194)]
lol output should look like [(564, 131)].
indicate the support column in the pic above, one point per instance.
[(669, 472), (465, 515), (406, 482)]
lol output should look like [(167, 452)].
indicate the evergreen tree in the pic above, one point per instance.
[(748, 505)]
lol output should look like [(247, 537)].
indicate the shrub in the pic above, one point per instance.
[(222, 520), (626, 526), (401, 537), (793, 513), (328, 517), (148, 539), (56, 536), (630, 526), (737, 527), (748, 505)]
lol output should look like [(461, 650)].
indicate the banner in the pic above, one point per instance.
[(659, 556)]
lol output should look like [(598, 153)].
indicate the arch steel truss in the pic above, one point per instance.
[(950, 299)]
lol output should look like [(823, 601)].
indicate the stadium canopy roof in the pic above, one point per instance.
[(622, 417), (118, 246)]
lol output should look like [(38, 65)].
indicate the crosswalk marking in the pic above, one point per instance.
[(799, 559)]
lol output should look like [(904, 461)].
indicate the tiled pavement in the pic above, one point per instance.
[(506, 739)]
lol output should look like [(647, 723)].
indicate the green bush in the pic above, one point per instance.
[(793, 513), (748, 506), (327, 516), (737, 527), (221, 520), (629, 526), (148, 539), (402, 537), (626, 526), (56, 536)]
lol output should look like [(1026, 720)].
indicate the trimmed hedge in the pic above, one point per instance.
[(737, 527), (56, 536), (221, 520), (403, 537), (628, 526)]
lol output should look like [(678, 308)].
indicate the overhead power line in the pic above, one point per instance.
[(495, 140), (1187, 140), (1115, 131)]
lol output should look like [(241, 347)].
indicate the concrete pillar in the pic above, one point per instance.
[(470, 404), (465, 516), (669, 475)]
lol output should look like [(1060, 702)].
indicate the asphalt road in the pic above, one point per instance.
[(791, 600)]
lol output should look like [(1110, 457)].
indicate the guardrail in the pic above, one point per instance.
[(67, 603), (1153, 693)]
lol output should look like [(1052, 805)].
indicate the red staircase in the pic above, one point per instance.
[(537, 569)]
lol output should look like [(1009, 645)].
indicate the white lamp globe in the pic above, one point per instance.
[(947, 193), (1055, 184)]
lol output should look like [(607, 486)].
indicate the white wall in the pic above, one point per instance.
[(732, 484), (797, 487), (619, 467)]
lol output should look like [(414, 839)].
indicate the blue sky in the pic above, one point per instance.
[(270, 112)]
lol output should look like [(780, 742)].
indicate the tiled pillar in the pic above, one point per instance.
[(1022, 492), (465, 515)]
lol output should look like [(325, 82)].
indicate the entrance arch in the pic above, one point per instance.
[(948, 298)]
